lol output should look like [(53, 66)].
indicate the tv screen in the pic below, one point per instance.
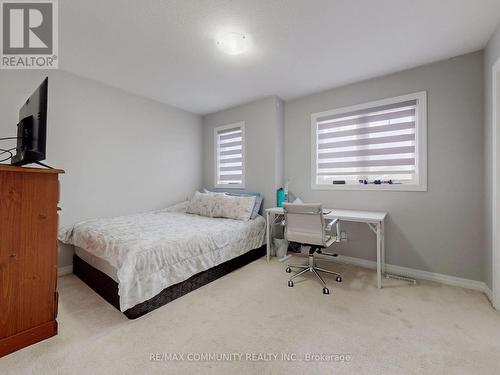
[(32, 128)]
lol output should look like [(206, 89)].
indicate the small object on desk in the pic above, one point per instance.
[(379, 182), (338, 182)]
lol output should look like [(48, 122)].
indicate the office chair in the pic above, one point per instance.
[(305, 224)]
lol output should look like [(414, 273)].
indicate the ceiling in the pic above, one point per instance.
[(165, 49)]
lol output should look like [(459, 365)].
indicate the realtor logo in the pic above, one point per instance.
[(29, 34)]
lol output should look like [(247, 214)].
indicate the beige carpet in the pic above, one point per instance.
[(424, 329)]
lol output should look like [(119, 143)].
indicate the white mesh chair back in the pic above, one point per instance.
[(305, 223)]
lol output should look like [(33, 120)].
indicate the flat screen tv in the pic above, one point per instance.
[(32, 128)]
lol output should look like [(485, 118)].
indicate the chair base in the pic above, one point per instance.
[(311, 267)]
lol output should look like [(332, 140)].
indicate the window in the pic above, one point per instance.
[(382, 142), (230, 156)]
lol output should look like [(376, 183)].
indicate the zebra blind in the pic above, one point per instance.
[(230, 162), (376, 143)]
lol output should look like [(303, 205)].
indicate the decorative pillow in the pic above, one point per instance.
[(258, 199), (258, 202), (201, 204), (231, 207)]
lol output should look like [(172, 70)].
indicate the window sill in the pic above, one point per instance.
[(371, 187)]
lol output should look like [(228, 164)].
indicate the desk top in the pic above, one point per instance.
[(345, 215)]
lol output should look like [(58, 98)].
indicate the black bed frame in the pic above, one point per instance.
[(107, 288)]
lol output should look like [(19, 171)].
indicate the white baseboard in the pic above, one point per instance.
[(419, 274), (489, 293), (61, 271)]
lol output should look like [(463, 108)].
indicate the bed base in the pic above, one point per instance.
[(107, 288)]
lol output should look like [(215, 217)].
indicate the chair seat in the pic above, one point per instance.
[(309, 241)]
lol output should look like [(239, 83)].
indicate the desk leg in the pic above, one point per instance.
[(381, 234), (379, 256), (382, 244), (268, 236)]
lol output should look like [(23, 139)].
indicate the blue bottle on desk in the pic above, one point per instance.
[(280, 197)]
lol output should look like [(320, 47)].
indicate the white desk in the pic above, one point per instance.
[(374, 220)]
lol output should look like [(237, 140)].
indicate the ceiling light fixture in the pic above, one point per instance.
[(233, 43)]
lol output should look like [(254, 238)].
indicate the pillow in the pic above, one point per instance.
[(233, 207), (205, 191), (258, 202), (258, 199), (201, 204)]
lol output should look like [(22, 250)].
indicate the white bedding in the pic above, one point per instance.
[(154, 250)]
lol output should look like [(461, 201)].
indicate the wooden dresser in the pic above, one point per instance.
[(28, 256)]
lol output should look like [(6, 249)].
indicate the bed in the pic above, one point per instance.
[(143, 261)]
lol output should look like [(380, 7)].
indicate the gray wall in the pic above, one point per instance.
[(441, 230), (279, 161), (491, 56), (264, 152), (122, 153)]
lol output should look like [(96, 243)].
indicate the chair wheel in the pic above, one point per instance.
[(290, 283), (288, 270), (338, 279), (326, 291)]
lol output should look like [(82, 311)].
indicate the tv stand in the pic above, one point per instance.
[(28, 256)]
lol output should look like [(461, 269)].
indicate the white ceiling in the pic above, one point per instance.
[(165, 49)]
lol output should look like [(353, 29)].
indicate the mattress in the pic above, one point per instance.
[(96, 262), (146, 253)]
